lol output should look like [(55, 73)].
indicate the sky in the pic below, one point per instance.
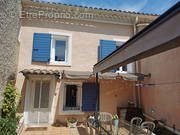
[(143, 6)]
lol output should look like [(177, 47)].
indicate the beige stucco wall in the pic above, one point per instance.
[(165, 97), (85, 41), (115, 93)]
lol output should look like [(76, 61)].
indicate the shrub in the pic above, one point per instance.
[(9, 105), (8, 126)]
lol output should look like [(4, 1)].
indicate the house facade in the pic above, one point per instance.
[(9, 30), (56, 58)]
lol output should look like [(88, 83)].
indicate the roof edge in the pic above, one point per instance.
[(93, 8)]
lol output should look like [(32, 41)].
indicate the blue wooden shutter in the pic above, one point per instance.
[(90, 97), (41, 47), (107, 47)]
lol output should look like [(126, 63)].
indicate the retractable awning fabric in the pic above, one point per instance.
[(108, 75), (83, 74), (77, 74)]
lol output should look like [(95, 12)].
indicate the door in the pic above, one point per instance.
[(39, 102)]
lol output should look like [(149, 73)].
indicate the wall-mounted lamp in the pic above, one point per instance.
[(152, 111)]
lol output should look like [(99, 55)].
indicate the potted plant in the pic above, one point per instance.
[(116, 123), (72, 123), (115, 120)]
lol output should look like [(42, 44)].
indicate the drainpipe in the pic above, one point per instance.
[(136, 69)]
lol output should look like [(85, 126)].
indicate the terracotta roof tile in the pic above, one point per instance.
[(37, 1), (40, 72)]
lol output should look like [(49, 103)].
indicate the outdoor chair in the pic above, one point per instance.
[(105, 119), (148, 127), (134, 125)]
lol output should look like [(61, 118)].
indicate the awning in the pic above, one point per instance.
[(77, 74), (83, 74), (41, 72), (133, 76), (125, 76), (108, 75)]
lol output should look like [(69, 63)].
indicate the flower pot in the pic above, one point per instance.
[(72, 125), (116, 123)]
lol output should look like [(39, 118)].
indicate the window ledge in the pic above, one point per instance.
[(71, 112), (60, 64), (121, 72)]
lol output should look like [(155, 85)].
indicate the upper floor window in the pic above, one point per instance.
[(54, 48), (126, 68), (60, 49)]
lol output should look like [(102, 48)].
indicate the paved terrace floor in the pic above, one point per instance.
[(55, 131), (63, 131)]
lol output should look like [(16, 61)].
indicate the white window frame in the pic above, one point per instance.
[(128, 65), (63, 98), (68, 53)]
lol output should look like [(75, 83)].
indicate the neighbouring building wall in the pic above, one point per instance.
[(9, 25), (164, 97)]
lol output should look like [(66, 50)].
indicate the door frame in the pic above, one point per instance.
[(29, 87)]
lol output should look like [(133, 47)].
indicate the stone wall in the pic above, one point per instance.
[(9, 28)]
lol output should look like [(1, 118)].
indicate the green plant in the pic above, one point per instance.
[(72, 120), (9, 105), (8, 126), (115, 117)]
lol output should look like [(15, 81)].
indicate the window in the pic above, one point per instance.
[(60, 49), (41, 96), (126, 68), (71, 98), (119, 43)]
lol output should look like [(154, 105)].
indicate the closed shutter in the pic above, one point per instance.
[(41, 47), (90, 97), (107, 47)]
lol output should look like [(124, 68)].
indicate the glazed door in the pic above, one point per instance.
[(39, 110)]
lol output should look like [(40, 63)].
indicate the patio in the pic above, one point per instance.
[(51, 130), (80, 130)]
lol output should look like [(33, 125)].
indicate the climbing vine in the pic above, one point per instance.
[(9, 105)]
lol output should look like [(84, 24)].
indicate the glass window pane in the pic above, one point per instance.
[(60, 47), (37, 94), (71, 95), (124, 68), (45, 94)]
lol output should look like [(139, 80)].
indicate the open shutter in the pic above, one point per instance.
[(107, 47), (90, 97), (41, 47)]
